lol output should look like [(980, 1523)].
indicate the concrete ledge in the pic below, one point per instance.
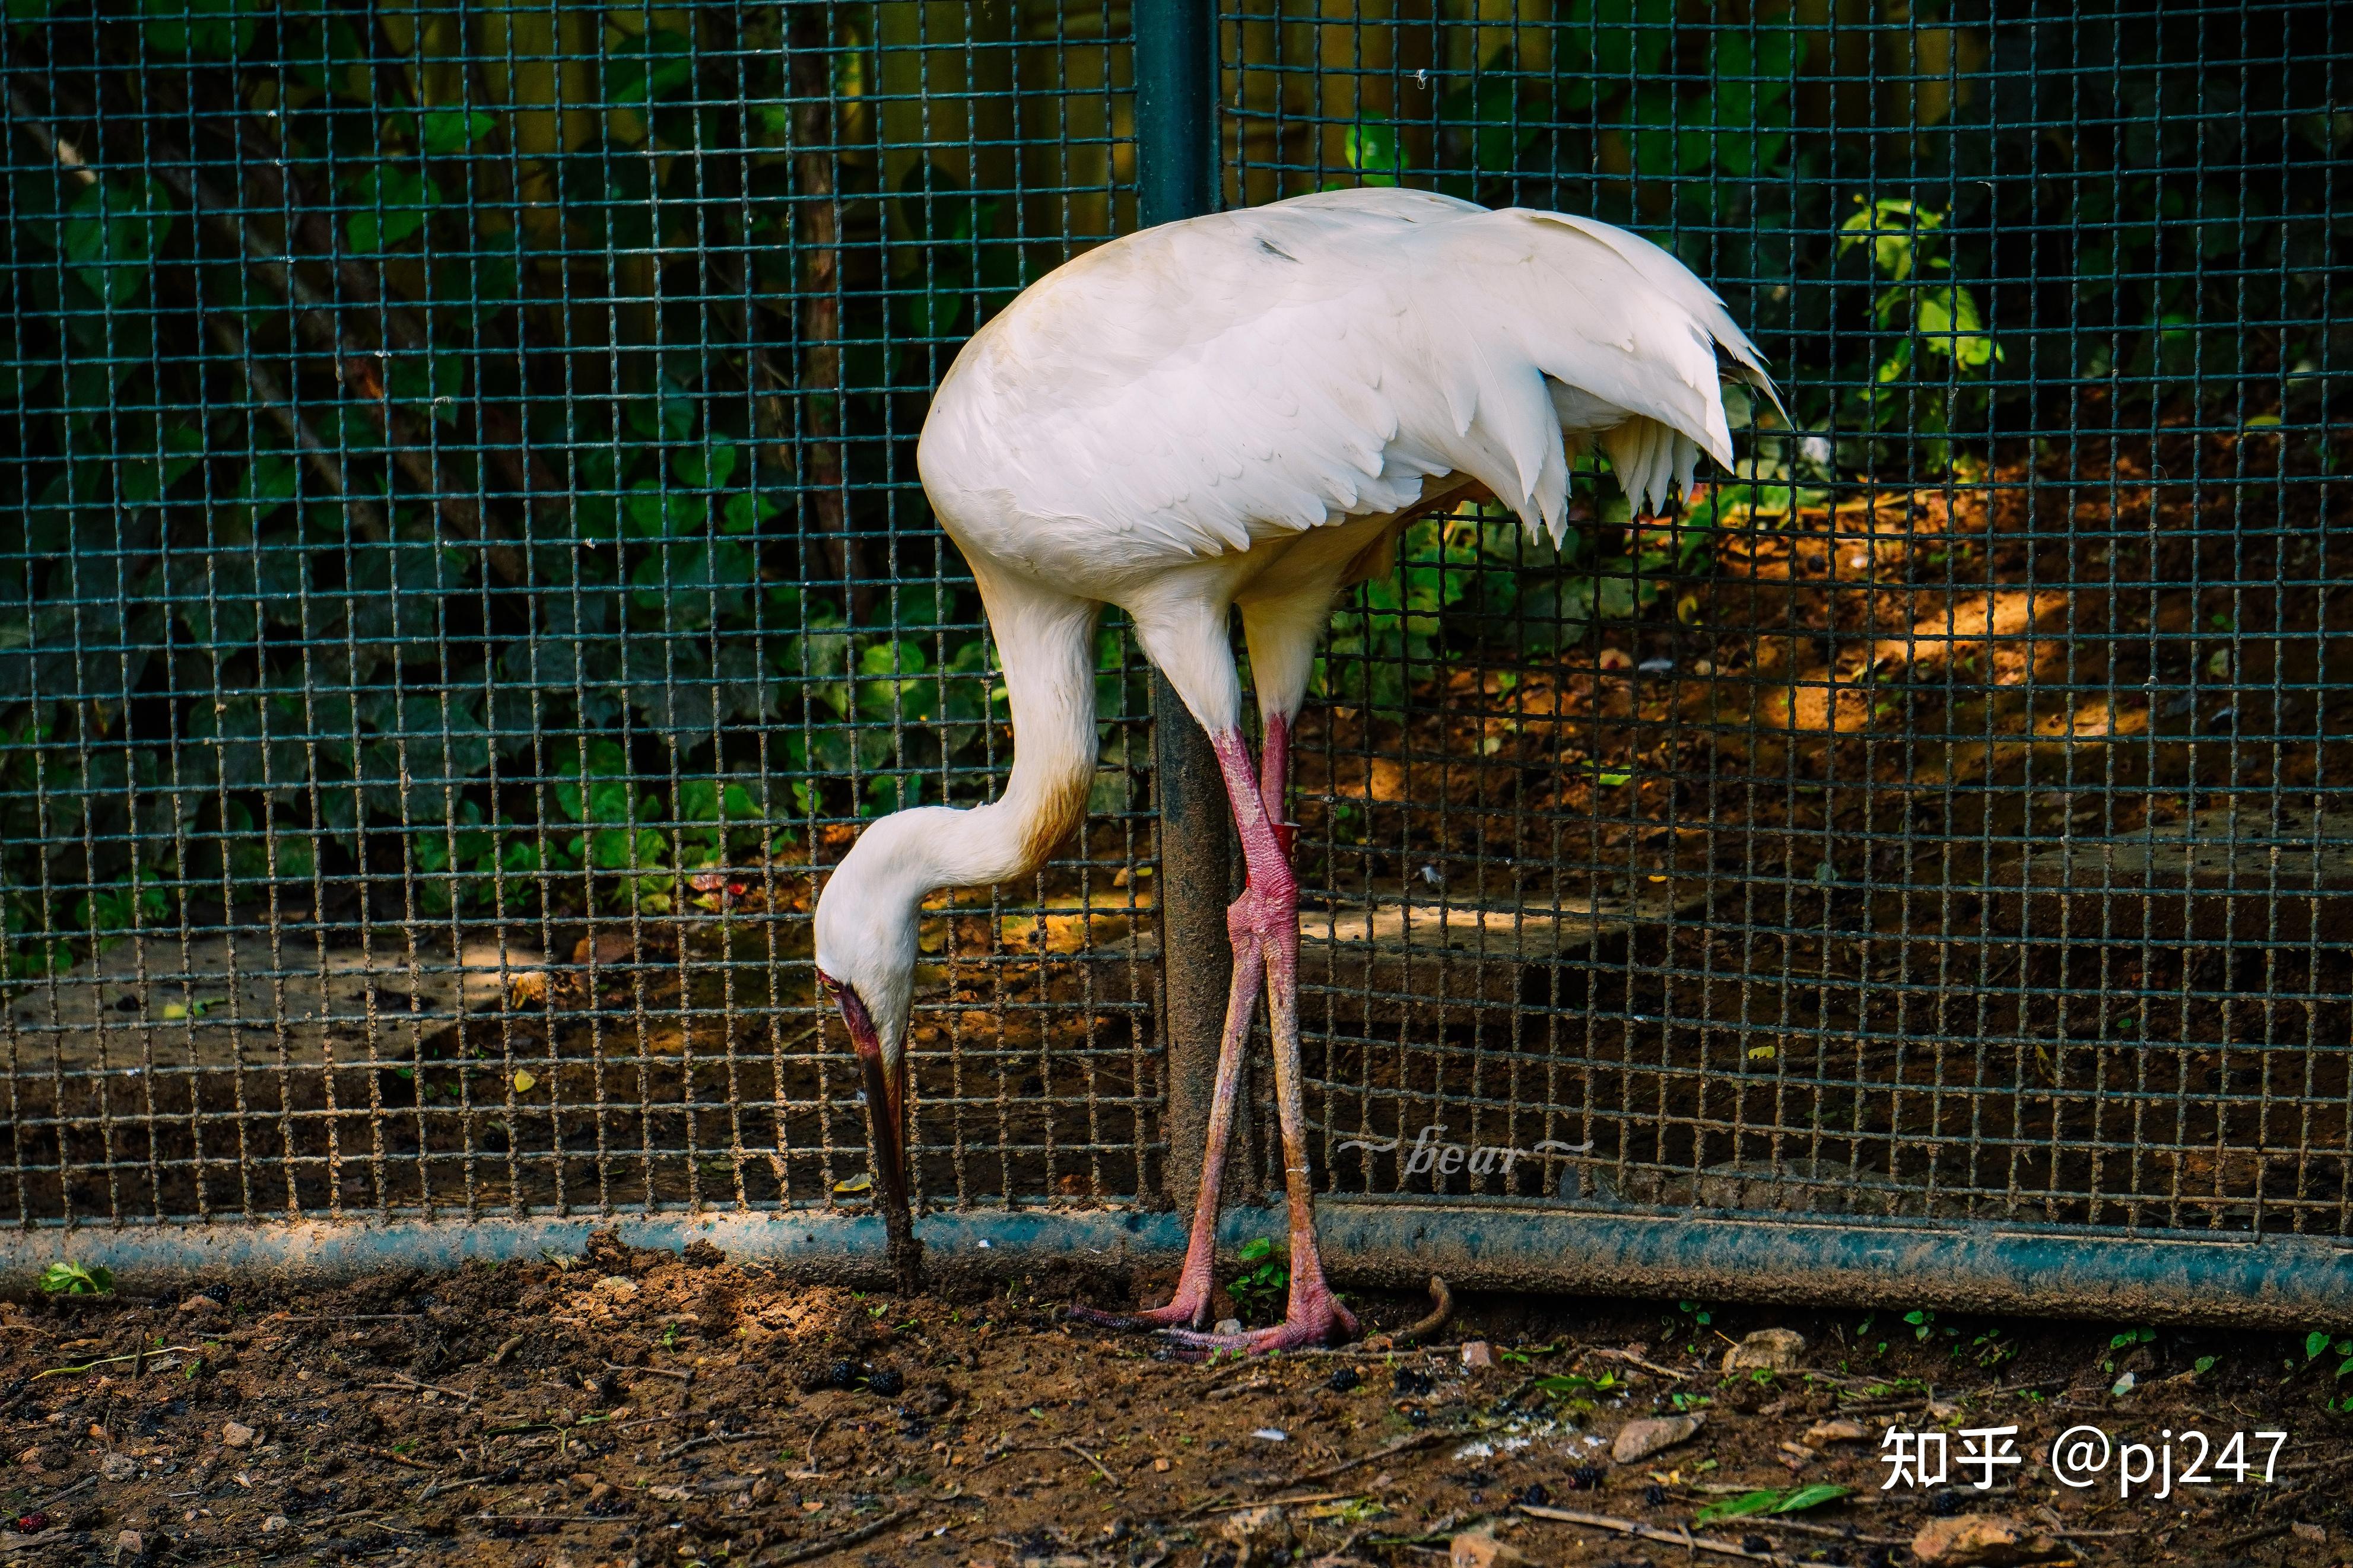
[(2273, 1282)]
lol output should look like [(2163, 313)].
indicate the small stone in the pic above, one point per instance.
[(118, 1466), (1160, 1467), (273, 1524), (128, 1544), (1822, 1434), (1260, 1532), (1477, 1356), (238, 1435), (1478, 1549), (2305, 1530), (1638, 1440), (196, 1306), (1229, 1325), (1982, 1540), (1767, 1349)]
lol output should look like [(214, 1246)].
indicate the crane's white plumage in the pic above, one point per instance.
[(1193, 389), (1237, 412)]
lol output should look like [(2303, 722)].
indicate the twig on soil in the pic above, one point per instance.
[(342, 1317), (1069, 1448), (434, 1489), (396, 1458), (112, 1360), (1829, 1531), (1630, 1359), (1403, 1445), (54, 1497), (654, 1420), (1683, 1537), (675, 1450), (1304, 1497), (687, 1376), (843, 1541), (2247, 1538), (401, 1380)]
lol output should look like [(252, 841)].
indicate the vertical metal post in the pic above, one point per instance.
[(1177, 177)]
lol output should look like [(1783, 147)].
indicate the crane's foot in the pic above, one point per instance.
[(1180, 1313), (1321, 1320)]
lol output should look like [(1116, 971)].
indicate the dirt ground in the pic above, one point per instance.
[(645, 1408)]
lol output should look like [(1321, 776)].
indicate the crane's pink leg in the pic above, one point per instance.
[(1189, 1307), (1269, 908)]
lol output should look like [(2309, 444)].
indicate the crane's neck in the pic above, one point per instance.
[(1045, 643)]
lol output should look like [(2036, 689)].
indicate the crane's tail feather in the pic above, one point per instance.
[(1592, 307)]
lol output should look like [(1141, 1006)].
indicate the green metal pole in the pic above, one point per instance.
[(1177, 177)]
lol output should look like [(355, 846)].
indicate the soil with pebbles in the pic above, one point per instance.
[(648, 1408)]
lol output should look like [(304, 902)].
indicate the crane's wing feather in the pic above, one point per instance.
[(1207, 383)]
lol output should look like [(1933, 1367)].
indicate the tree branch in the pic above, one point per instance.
[(365, 516)]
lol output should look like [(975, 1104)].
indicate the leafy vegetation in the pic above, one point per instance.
[(77, 1279), (1748, 1505), (1264, 1282), (530, 522)]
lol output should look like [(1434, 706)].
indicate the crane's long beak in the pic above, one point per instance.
[(886, 1099)]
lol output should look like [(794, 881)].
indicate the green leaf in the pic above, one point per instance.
[(1739, 1507), (112, 236), (1621, 39), (651, 511), (2314, 1343), (1257, 1249), (648, 68), (1748, 1504), (1893, 230), (1948, 318), (445, 132), (395, 199), (744, 512), (707, 469), (1375, 153), (268, 485), (77, 1279), (435, 381), (142, 481), (201, 29)]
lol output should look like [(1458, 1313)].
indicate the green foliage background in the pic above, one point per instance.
[(542, 532)]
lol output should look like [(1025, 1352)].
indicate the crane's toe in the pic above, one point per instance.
[(1177, 1314), (1320, 1322)]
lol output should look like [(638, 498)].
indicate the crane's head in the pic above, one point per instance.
[(866, 929)]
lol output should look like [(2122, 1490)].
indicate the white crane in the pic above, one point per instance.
[(1243, 411)]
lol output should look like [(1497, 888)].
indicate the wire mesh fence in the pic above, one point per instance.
[(462, 576), (1942, 819), (463, 567)]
